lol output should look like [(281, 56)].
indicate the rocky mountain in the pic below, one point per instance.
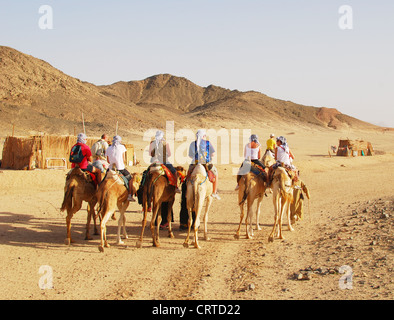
[(36, 97)]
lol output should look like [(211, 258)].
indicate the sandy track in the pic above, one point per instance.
[(32, 232)]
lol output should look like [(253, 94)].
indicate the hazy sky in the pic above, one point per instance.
[(291, 50)]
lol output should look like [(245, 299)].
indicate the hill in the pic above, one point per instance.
[(36, 97)]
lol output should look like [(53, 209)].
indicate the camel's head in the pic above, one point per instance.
[(181, 174), (137, 178)]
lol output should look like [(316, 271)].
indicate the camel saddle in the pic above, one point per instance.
[(211, 175), (163, 170), (258, 171), (89, 176)]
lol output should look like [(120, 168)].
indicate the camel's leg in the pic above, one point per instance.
[(189, 224), (248, 220), (242, 207), (276, 217), (281, 212), (96, 231), (280, 209), (153, 228), (139, 241), (208, 205), (169, 219), (196, 225), (103, 231), (121, 223), (70, 213), (288, 215), (90, 210), (259, 200)]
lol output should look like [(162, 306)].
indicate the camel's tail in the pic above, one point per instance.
[(103, 204), (246, 190), (68, 197)]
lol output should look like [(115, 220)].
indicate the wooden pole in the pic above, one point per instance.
[(83, 123)]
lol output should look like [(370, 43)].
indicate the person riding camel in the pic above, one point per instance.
[(85, 162), (116, 157), (98, 152), (202, 151), (283, 153), (283, 156), (160, 152), (271, 143), (252, 153)]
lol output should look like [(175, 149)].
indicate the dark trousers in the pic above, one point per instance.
[(184, 214)]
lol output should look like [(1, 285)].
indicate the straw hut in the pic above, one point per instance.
[(354, 148), (44, 152)]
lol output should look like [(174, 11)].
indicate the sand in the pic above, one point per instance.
[(343, 226)]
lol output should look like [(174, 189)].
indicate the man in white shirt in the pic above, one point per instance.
[(116, 157)]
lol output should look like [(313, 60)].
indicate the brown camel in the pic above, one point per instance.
[(282, 186), (111, 195), (156, 190), (251, 187), (199, 190), (79, 188)]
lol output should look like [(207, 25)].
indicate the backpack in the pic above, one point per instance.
[(76, 155)]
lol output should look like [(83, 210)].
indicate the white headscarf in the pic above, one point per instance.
[(116, 140), (158, 138), (200, 135), (82, 138)]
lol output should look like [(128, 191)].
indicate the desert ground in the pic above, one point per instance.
[(348, 222)]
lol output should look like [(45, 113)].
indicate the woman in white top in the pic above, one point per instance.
[(283, 157), (283, 153), (252, 153)]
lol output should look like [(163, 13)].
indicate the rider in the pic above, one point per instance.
[(202, 151), (98, 152), (283, 157), (116, 157), (283, 153), (271, 144), (252, 153), (160, 152), (85, 164)]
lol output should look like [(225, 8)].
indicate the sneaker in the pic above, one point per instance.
[(216, 196), (131, 198), (236, 188), (164, 226)]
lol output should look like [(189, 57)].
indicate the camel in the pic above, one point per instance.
[(251, 187), (156, 190), (78, 188), (199, 189), (112, 194), (282, 186), (268, 159)]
